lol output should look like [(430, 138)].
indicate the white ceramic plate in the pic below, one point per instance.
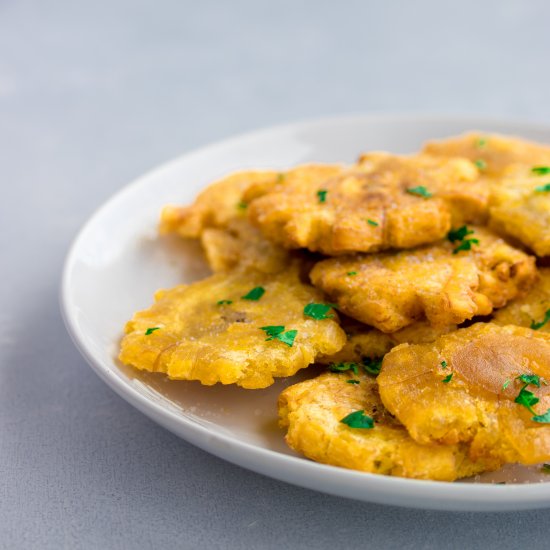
[(117, 262)]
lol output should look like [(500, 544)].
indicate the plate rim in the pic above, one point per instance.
[(423, 494)]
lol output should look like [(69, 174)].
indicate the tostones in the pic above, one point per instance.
[(532, 310), (445, 283), (241, 328), (313, 414), (484, 386), (383, 202)]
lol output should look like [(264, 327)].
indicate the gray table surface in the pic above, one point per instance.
[(92, 94)]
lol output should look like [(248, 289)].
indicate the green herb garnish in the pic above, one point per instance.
[(540, 324), (447, 378), (277, 332), (344, 367), (322, 195), (351, 273), (255, 294), (481, 164), (459, 234), (420, 190), (541, 170), (543, 188), (372, 222), (506, 384), (242, 205), (530, 379), (358, 419), (466, 244), (151, 330), (224, 302), (318, 311), (443, 364), (542, 418), (527, 399), (481, 142), (373, 365), (352, 381)]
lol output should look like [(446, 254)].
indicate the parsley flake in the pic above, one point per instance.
[(344, 367), (527, 399), (447, 378), (318, 311), (443, 364), (542, 418), (540, 324), (466, 244), (352, 381), (530, 379), (255, 294), (322, 195), (506, 384), (543, 188), (358, 419), (545, 468), (373, 365), (351, 273), (277, 332), (242, 205), (420, 190), (481, 142), (541, 170), (459, 234), (481, 164), (224, 302), (372, 222), (151, 330)]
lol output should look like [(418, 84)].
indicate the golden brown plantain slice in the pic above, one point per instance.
[(218, 204), (532, 310), (312, 412), (520, 208), (438, 283), (208, 331), (241, 244), (493, 153), (383, 202), (465, 387)]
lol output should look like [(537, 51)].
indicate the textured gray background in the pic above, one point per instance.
[(92, 94)]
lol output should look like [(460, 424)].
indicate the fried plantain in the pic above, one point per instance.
[(445, 283), (484, 386), (217, 330), (312, 411)]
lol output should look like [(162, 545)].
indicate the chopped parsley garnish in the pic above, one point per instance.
[(481, 142), (447, 378), (443, 364), (506, 384), (481, 164), (151, 330), (277, 332), (255, 294), (527, 399), (541, 170), (530, 379), (542, 418), (372, 222), (322, 195), (358, 419), (543, 188), (242, 205), (466, 244), (373, 365), (224, 302), (351, 273), (420, 190), (545, 468), (459, 234), (344, 367), (540, 324), (318, 311), (352, 381)]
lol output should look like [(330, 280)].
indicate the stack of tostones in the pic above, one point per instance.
[(413, 279)]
